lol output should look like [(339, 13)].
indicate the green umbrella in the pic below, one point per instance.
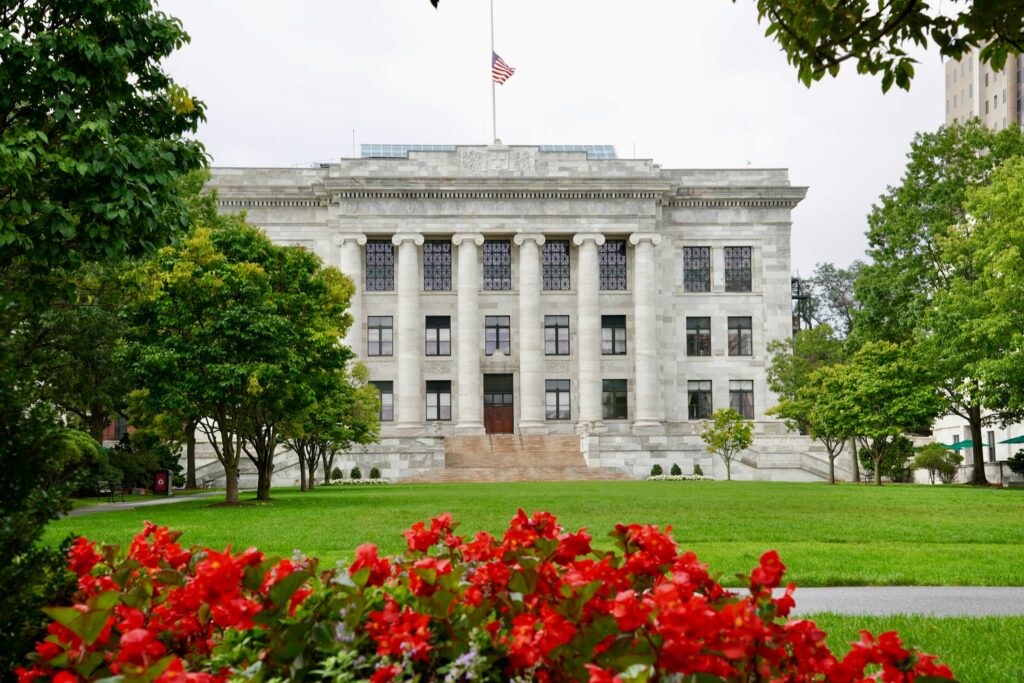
[(1016, 439), (960, 445)]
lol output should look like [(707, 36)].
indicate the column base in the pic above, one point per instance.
[(533, 427), (469, 428), (648, 427)]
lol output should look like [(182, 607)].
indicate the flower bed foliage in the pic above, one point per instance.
[(538, 603), (680, 477), (357, 482)]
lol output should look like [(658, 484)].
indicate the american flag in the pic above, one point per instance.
[(499, 69)]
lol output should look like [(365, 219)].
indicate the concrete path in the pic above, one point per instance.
[(131, 505), (937, 601)]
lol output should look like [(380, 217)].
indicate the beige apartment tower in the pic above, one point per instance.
[(975, 89)]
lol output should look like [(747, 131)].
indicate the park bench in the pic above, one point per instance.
[(110, 491)]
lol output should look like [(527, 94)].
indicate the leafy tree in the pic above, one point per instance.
[(234, 328), (1016, 462), (939, 461), (895, 463), (345, 413), (818, 36), (727, 434), (877, 395), (833, 291)]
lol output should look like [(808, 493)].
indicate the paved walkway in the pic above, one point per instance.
[(132, 504), (937, 601)]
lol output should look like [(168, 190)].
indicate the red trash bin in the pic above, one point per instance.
[(162, 482)]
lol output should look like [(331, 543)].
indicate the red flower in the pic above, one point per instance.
[(769, 573), (599, 675), (385, 675), (83, 556), (425, 573), (629, 611), (399, 632), (419, 538), (366, 557)]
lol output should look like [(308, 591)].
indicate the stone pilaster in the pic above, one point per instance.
[(531, 352), (408, 394), (648, 412), (350, 262), (469, 408), (588, 323)]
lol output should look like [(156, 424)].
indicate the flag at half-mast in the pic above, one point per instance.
[(500, 71)]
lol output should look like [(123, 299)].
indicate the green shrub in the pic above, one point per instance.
[(355, 473), (336, 473), (374, 473), (896, 464), (656, 470), (676, 470), (939, 461), (1016, 462), (697, 470)]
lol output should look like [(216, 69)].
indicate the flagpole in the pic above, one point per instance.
[(494, 114)]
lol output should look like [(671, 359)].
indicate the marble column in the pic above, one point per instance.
[(648, 415), (588, 323), (531, 352), (350, 262), (469, 408), (409, 389)]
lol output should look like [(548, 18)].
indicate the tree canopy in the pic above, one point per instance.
[(727, 434)]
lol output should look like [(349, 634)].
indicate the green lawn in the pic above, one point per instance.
[(842, 535), (979, 650), (105, 500)]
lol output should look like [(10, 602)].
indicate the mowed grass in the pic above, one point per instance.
[(978, 649), (827, 535)]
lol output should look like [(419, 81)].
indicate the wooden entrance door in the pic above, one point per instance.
[(499, 415)]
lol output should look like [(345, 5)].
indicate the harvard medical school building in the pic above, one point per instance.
[(561, 297)]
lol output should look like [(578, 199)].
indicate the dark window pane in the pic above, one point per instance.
[(378, 335), (738, 269), (697, 269), (556, 265), (497, 264), (497, 334), (437, 265), (699, 399), (387, 400), (612, 255), (380, 266), (556, 335), (613, 335), (439, 400), (740, 336), (698, 336), (741, 397), (614, 400)]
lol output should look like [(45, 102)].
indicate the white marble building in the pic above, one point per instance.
[(513, 289)]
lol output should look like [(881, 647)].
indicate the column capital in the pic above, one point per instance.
[(358, 238), (416, 238), (523, 236), (581, 237), (460, 237), (637, 237)]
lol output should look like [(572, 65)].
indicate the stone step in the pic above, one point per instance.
[(529, 473)]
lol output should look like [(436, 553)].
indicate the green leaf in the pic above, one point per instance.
[(283, 590)]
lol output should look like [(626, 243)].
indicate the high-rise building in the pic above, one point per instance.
[(975, 89)]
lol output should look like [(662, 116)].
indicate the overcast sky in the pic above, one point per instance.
[(687, 83)]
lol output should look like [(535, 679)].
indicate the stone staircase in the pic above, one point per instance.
[(514, 457)]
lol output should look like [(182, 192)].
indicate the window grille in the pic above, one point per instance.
[(696, 269), (738, 269), (380, 266), (740, 337), (698, 336), (613, 335), (741, 397), (439, 400), (556, 335), (497, 265), (556, 399), (439, 335), (614, 400), (613, 265), (497, 334), (437, 266), (387, 400), (699, 399), (556, 265), (379, 335)]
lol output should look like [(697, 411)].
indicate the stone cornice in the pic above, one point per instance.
[(728, 197)]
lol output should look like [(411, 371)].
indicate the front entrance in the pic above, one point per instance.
[(499, 415)]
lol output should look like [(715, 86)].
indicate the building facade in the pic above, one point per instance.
[(538, 291), (974, 89)]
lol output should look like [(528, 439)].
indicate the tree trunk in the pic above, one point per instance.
[(328, 466), (856, 460), (877, 459), (302, 467), (96, 422), (311, 466), (978, 475), (832, 469), (231, 480), (728, 469), (190, 456)]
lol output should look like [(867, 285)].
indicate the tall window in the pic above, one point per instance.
[(696, 269), (497, 334), (991, 446), (556, 399), (497, 264), (698, 399), (556, 335), (439, 335), (741, 397), (387, 400), (698, 336), (613, 398), (738, 269), (437, 266), (439, 400), (380, 335), (613, 264), (380, 266), (740, 337), (613, 335), (556, 264)]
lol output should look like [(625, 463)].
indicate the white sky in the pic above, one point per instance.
[(690, 83)]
